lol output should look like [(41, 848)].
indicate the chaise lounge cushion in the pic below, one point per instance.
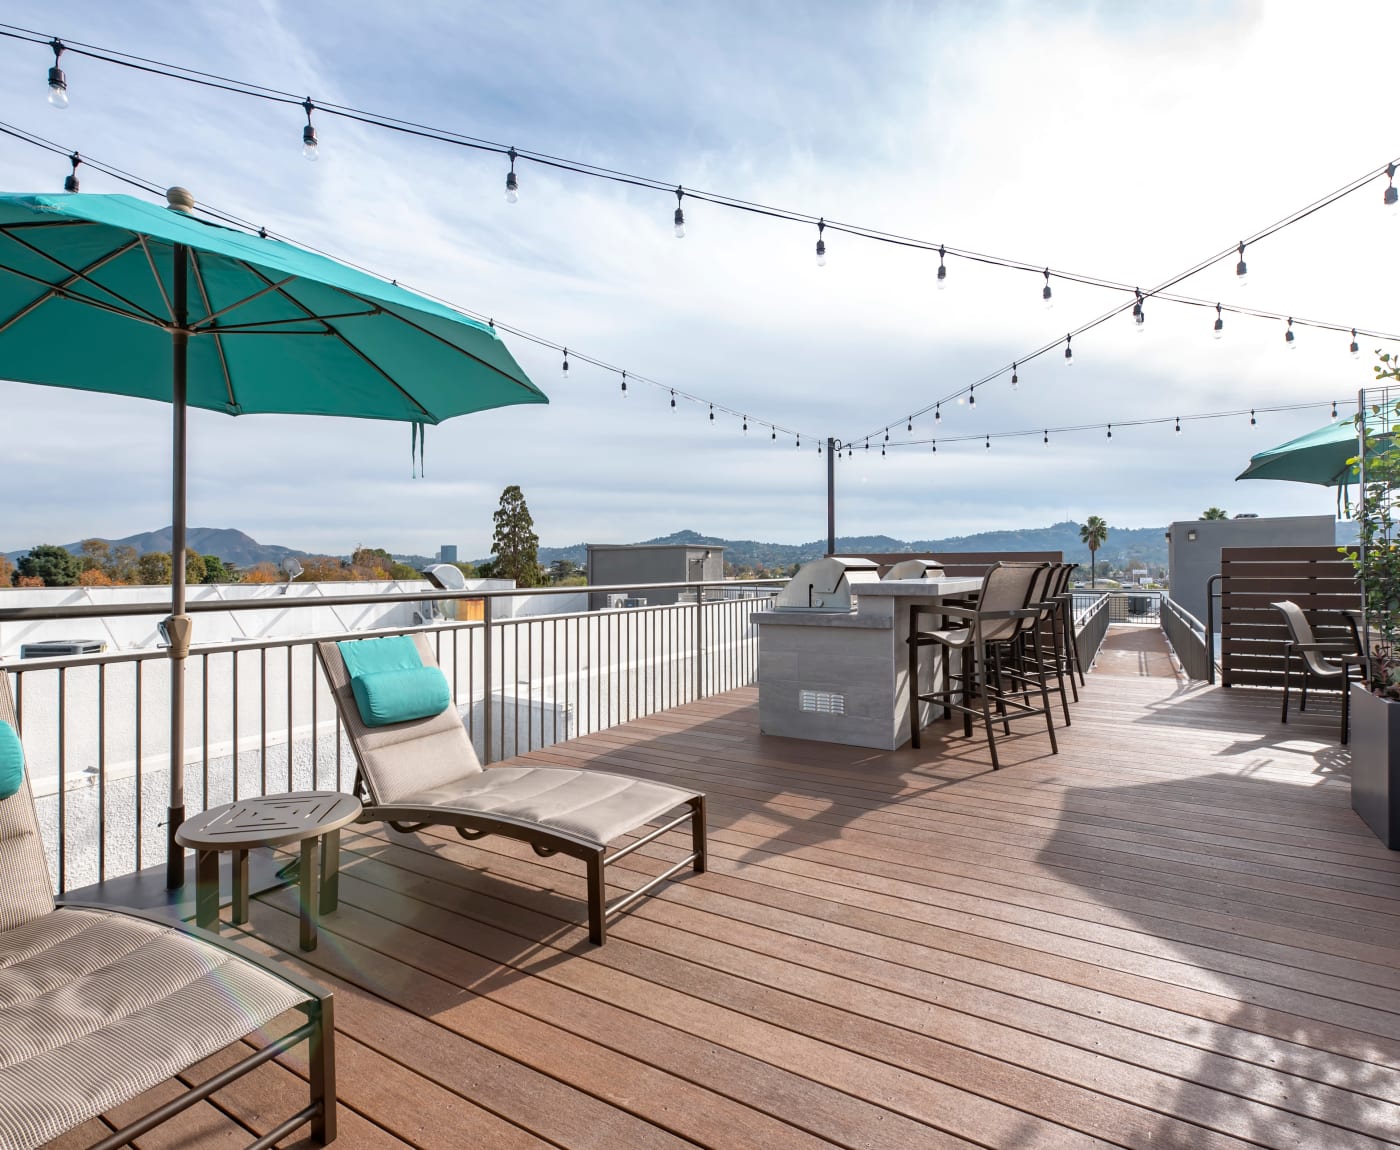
[(591, 806), (96, 1007)]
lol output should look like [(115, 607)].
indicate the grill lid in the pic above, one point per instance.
[(826, 584), (915, 569)]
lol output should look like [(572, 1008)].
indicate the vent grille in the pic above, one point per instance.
[(822, 702)]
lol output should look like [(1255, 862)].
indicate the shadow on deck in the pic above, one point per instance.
[(1175, 933)]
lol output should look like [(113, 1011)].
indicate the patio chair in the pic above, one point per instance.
[(99, 1004), (425, 772), (1348, 658), (987, 640)]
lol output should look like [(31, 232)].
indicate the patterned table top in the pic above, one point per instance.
[(268, 820)]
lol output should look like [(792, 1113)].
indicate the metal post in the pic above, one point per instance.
[(831, 496), (487, 674), (178, 625), (699, 641)]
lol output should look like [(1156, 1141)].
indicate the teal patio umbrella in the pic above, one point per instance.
[(1320, 457), (110, 293)]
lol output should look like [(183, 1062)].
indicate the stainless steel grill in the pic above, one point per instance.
[(828, 584), (915, 569)]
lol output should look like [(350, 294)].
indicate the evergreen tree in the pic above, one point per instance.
[(515, 547), (56, 566)]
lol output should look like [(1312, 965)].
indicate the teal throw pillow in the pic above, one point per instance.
[(11, 761), (367, 656), (396, 696)]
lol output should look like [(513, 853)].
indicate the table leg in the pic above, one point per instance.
[(330, 871), (309, 885), (206, 889), (240, 886)]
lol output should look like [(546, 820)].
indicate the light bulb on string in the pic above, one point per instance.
[(1139, 317), (624, 385), (934, 442), (988, 444), (910, 424), (512, 184), (712, 413), (1178, 425), (821, 244), (1334, 409), (1289, 339), (310, 148), (972, 395), (775, 433), (1045, 437), (70, 181), (58, 82), (673, 397), (1110, 431), (1069, 353), (1015, 379), (942, 280), (1219, 323), (565, 369), (1252, 421), (1391, 198), (937, 413), (746, 425), (867, 443), (887, 435), (1241, 270), (882, 451), (1355, 348), (799, 443), (1046, 295), (680, 215)]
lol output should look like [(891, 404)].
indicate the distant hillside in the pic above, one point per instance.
[(228, 544), (1147, 544)]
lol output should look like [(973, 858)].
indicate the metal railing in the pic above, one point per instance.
[(1125, 606), (261, 718), (1187, 636), (1090, 627)]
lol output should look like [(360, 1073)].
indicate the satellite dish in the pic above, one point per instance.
[(291, 567), (445, 577)]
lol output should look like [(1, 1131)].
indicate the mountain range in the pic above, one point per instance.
[(228, 544)]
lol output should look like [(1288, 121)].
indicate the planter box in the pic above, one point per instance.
[(1375, 763)]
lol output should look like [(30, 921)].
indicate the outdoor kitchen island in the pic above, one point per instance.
[(833, 656)]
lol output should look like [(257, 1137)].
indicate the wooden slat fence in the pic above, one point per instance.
[(1319, 579)]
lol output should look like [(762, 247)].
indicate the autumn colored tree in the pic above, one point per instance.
[(323, 569), (28, 581), (7, 571), (515, 547), (95, 554), (262, 573), (121, 565), (94, 577), (153, 568)]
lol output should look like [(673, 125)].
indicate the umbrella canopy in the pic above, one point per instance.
[(1320, 457), (113, 294)]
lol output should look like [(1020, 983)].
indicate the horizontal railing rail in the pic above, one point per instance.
[(260, 718), (1090, 627), (1187, 636), (1129, 605)]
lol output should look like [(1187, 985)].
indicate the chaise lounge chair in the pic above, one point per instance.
[(425, 772), (98, 1005)]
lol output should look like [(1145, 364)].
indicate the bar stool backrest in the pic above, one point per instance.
[(1006, 587)]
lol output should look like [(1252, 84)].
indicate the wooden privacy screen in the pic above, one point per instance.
[(1252, 635), (963, 564)]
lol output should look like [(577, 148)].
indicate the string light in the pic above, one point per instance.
[(867, 444), (70, 181), (746, 425), (1138, 317), (673, 397), (1252, 421), (1046, 295), (1219, 323), (680, 215), (624, 385), (1015, 379), (887, 435), (972, 396), (512, 184), (1334, 409), (566, 365), (821, 243), (937, 413), (935, 446), (58, 82), (1355, 348), (1069, 353), (1391, 198), (942, 280), (1241, 271), (1045, 436), (1290, 340), (1110, 431), (910, 427), (775, 433), (799, 442), (989, 443), (310, 149), (882, 451), (712, 413), (1178, 420)]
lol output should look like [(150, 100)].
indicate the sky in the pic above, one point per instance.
[(1121, 140)]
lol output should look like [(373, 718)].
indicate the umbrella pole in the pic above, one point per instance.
[(178, 625)]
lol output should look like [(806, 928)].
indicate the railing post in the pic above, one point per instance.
[(487, 676), (699, 641), (1210, 627)]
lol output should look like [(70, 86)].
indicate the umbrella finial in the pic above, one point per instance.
[(179, 199)]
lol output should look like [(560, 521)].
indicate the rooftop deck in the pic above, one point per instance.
[(1173, 934)]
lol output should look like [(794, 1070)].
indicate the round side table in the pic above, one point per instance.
[(310, 818)]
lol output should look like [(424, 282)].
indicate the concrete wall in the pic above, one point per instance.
[(1194, 545), (612, 565)]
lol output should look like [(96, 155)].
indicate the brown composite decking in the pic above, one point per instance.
[(1175, 933)]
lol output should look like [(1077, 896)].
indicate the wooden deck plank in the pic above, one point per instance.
[(1175, 933)]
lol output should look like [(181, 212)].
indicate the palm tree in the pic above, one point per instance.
[(1214, 513), (1093, 534)]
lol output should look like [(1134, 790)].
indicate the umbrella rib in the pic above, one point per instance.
[(53, 291), (448, 343), (218, 343), (209, 319), (296, 303), (268, 325), (74, 272), (155, 275)]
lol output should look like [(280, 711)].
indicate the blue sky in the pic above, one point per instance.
[(1114, 139)]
